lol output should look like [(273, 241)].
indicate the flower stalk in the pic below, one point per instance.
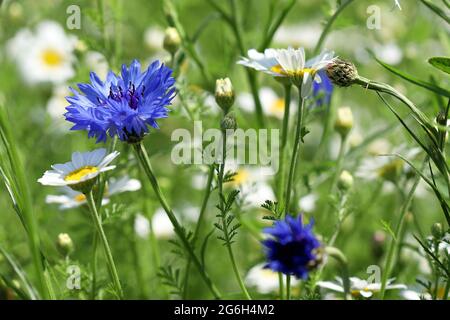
[(295, 152), (144, 160), (101, 233)]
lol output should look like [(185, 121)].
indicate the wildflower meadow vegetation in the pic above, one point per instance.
[(224, 149)]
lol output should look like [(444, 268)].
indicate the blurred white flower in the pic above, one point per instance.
[(308, 203), (154, 38), (272, 104), (45, 55), (56, 105), (264, 280), (252, 181), (415, 295), (141, 226), (73, 199), (96, 62), (389, 53), (359, 287), (299, 35), (161, 225)]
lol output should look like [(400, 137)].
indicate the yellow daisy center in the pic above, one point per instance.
[(277, 105), (80, 198), (52, 57), (240, 177), (78, 174), (292, 73)]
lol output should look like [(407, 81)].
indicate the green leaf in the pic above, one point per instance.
[(441, 63), (414, 80)]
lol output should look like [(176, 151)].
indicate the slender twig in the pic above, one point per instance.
[(284, 134)]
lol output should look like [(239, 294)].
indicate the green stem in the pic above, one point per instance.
[(327, 28), (98, 225), (224, 218), (342, 260), (284, 135), (288, 287), (295, 152), (281, 285), (94, 267), (198, 226), (339, 160), (395, 242), (144, 160), (447, 289)]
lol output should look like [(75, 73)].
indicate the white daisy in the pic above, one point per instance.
[(81, 171), (153, 38), (141, 226), (304, 35), (45, 55), (415, 295), (161, 224), (252, 182), (73, 199), (359, 287), (308, 203), (289, 63), (264, 280), (96, 62)]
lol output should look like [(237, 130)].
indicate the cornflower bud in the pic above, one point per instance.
[(342, 73)]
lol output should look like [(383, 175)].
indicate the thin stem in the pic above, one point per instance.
[(104, 240), (284, 135), (144, 160), (339, 160), (198, 226), (281, 285), (94, 267), (395, 242), (295, 153), (327, 28), (288, 287), (224, 218)]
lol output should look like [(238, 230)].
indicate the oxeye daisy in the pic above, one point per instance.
[(290, 63), (72, 199), (45, 54), (123, 105), (80, 173), (360, 288), (264, 280), (292, 248)]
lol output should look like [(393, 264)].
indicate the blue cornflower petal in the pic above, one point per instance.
[(292, 247), (323, 91), (122, 105)]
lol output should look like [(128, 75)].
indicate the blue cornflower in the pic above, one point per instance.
[(322, 91), (123, 105), (292, 249)]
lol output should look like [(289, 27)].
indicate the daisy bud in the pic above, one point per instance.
[(224, 94), (172, 40), (344, 121), (345, 181), (342, 73), (229, 122), (436, 230), (64, 244)]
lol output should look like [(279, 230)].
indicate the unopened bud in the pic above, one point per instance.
[(344, 120), (345, 181), (342, 73), (436, 230), (229, 122), (64, 244), (224, 94), (172, 40)]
